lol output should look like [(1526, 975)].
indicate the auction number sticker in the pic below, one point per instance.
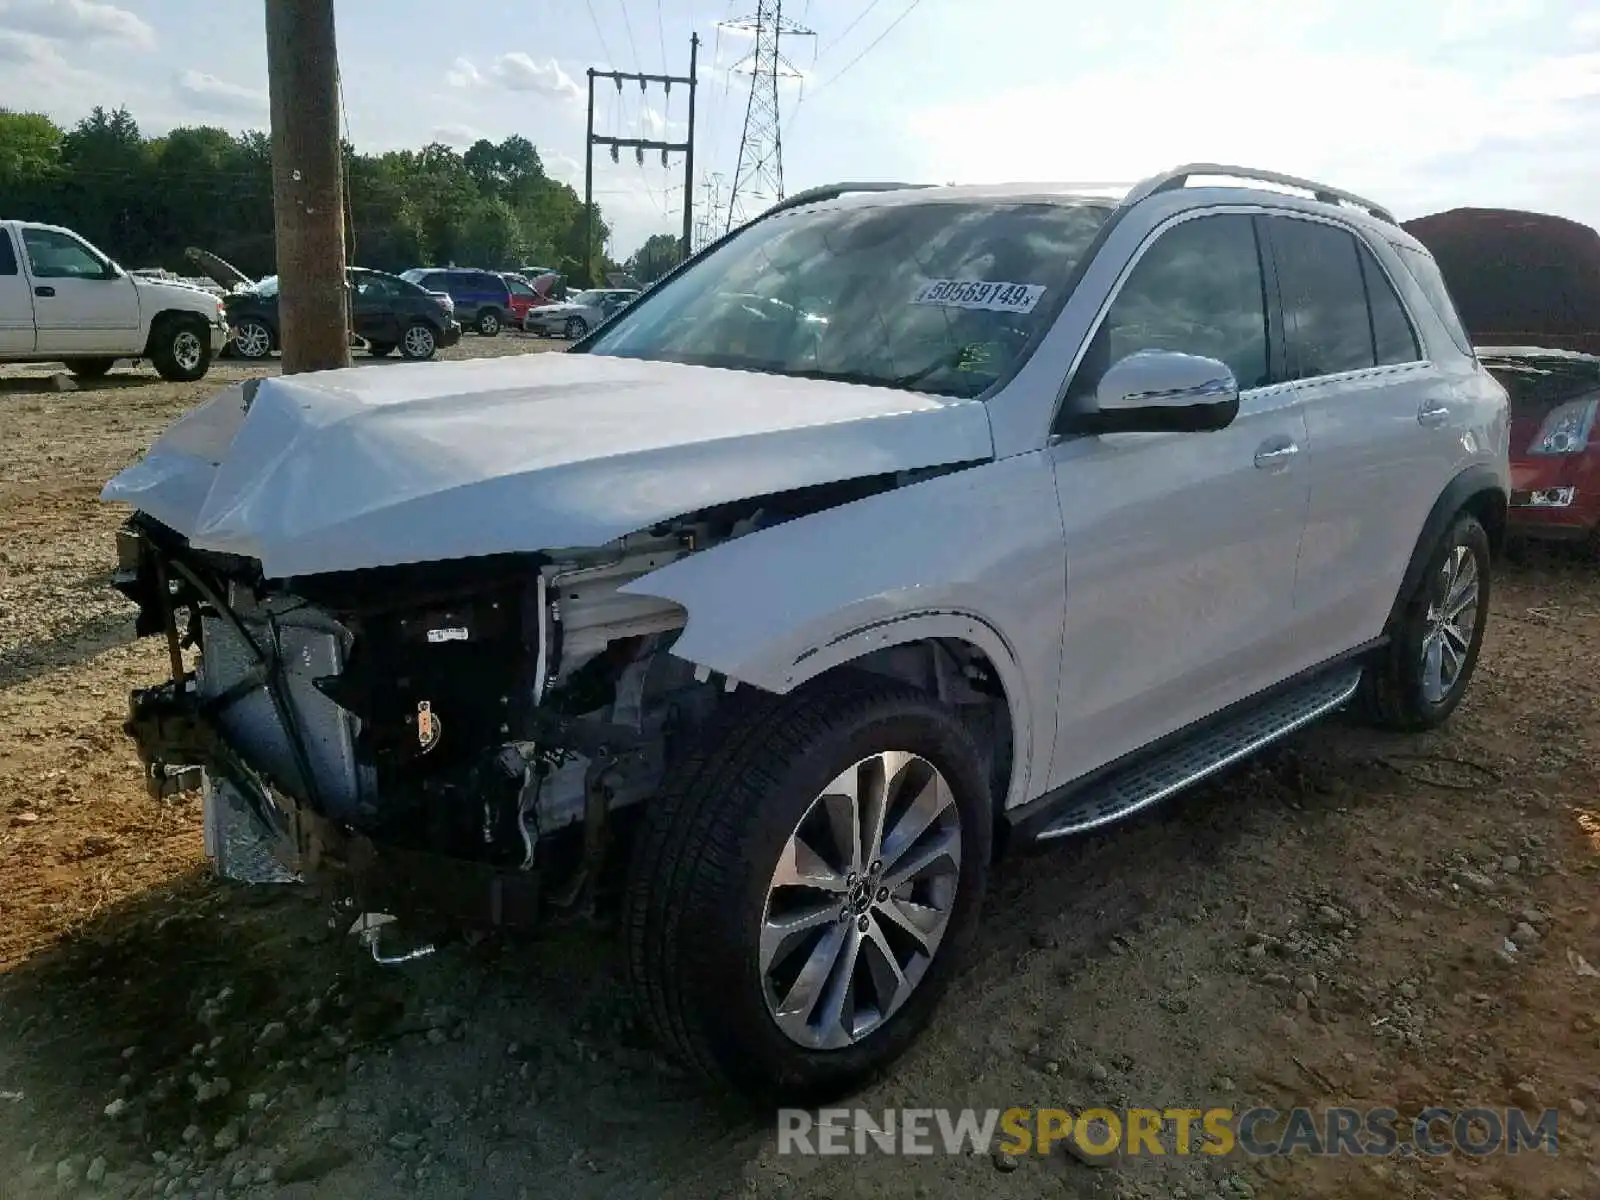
[(968, 293)]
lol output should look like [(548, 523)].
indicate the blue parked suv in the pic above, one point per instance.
[(482, 298)]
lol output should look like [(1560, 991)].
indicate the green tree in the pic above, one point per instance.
[(659, 254)]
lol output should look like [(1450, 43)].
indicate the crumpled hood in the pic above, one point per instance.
[(380, 465)]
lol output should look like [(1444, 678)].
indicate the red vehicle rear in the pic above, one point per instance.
[(1555, 448)]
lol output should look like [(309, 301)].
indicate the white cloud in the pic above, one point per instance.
[(207, 92), (457, 135), (1395, 123), (519, 73), (77, 20), (516, 72), (462, 74)]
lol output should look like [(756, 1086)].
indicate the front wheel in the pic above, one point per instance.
[(419, 343), (576, 327), (804, 888), (1421, 675), (181, 350), (252, 339)]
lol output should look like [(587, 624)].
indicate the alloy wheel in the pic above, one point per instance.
[(253, 340), (1451, 622), (419, 341), (860, 900)]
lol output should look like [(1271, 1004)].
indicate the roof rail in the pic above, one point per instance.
[(1177, 177), (832, 191)]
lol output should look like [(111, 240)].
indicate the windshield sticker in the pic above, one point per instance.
[(992, 297)]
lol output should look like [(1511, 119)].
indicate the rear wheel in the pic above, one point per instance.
[(489, 322), (804, 888), (576, 327), (1421, 676), (420, 342), (91, 368), (181, 349)]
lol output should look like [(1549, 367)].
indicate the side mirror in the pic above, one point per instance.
[(1161, 391)]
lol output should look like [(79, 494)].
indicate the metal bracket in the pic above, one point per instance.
[(368, 929)]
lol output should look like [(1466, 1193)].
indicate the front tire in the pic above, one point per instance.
[(576, 327), (1422, 674), (786, 938), (252, 339), (181, 350), (419, 343)]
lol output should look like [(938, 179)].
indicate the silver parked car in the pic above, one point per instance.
[(897, 519), (576, 316)]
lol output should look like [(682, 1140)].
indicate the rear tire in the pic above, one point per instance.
[(91, 368), (712, 978), (1420, 677), (180, 348), (489, 322)]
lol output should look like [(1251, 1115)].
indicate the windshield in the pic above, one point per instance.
[(944, 297), (517, 287)]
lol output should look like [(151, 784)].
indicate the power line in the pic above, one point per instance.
[(628, 26), (910, 8), (845, 32), (599, 33)]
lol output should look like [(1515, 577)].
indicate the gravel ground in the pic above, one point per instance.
[(1352, 919)]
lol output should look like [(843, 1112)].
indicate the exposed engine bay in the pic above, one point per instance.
[(491, 713)]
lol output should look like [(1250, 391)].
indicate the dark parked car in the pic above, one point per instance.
[(483, 298), (388, 312)]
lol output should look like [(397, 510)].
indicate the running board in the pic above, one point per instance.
[(1153, 780)]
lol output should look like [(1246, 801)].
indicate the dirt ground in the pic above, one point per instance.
[(1353, 919)]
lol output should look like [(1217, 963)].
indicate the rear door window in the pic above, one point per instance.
[(1326, 324), (8, 256), (1391, 328)]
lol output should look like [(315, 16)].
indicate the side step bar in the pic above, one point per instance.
[(1153, 780)]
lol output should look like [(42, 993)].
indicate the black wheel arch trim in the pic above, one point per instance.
[(1477, 480)]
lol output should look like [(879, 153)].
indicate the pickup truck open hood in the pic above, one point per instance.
[(386, 464)]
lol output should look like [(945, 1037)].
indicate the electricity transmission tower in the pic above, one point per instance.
[(709, 223), (758, 178)]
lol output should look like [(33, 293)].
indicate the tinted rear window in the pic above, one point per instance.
[(8, 256)]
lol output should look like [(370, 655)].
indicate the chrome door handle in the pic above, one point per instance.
[(1434, 414), (1276, 455)]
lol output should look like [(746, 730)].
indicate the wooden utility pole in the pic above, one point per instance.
[(640, 145), (307, 185)]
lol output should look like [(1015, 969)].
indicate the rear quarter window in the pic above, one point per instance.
[(1425, 271), (8, 255)]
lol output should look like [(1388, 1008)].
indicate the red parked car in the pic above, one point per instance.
[(1555, 448), (526, 295)]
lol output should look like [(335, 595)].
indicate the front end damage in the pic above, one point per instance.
[(449, 739)]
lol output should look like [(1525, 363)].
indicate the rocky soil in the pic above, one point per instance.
[(1353, 919)]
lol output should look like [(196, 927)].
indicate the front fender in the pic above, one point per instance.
[(976, 555)]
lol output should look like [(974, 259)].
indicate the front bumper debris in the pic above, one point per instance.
[(250, 823)]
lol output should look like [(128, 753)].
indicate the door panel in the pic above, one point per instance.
[(1355, 364), (1181, 547), (76, 308), (16, 301)]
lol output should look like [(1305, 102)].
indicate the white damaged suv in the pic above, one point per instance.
[(898, 523)]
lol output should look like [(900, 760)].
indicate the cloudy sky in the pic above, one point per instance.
[(1422, 105)]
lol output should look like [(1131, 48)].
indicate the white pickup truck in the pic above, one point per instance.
[(62, 300)]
